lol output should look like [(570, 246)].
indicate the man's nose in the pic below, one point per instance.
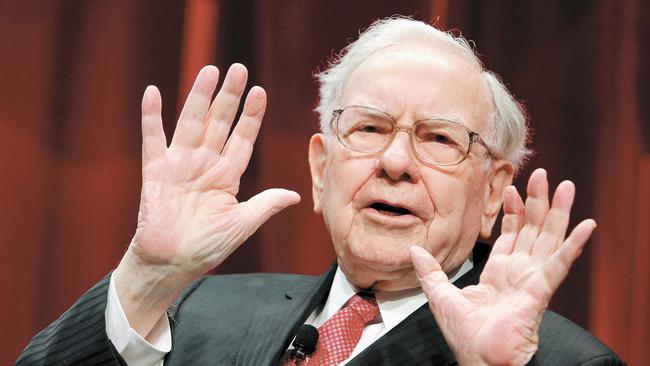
[(398, 161)]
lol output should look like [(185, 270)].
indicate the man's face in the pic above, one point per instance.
[(447, 206)]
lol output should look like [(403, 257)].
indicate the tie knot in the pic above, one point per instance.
[(366, 307)]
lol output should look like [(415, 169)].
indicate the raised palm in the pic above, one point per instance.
[(189, 215), (497, 321), (190, 219)]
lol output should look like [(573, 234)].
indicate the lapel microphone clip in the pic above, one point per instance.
[(305, 342)]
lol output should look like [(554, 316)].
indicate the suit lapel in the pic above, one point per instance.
[(275, 323), (418, 340)]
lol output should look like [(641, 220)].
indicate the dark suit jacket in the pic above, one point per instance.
[(250, 320)]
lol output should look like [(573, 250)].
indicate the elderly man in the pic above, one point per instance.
[(418, 148)]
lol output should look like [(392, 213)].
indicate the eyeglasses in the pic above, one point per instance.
[(434, 141)]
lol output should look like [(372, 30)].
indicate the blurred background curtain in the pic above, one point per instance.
[(72, 73)]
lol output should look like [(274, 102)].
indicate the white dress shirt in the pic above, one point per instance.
[(394, 307)]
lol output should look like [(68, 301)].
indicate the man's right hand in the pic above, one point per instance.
[(190, 219)]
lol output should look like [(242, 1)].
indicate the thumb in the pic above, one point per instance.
[(267, 203), (427, 267), (433, 279)]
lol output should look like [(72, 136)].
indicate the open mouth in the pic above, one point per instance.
[(390, 210)]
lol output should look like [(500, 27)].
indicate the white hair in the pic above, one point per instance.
[(507, 133)]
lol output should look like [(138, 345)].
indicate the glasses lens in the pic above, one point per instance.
[(440, 142), (364, 129)]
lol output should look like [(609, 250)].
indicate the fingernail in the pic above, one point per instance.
[(420, 261), (148, 97), (256, 100)]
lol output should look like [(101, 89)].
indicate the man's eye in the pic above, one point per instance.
[(439, 138), (368, 129)]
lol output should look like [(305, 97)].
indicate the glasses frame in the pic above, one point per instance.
[(474, 137)]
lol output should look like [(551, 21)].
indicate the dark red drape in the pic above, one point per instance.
[(72, 74)]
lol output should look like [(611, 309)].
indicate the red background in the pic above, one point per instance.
[(72, 74)]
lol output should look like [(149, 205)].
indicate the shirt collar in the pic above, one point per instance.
[(394, 306)]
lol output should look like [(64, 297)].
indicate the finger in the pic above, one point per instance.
[(425, 264), (535, 211), (557, 221), (573, 245), (193, 116), (263, 205), (239, 147), (513, 219), (557, 268), (513, 210), (434, 281), (224, 107), (154, 142)]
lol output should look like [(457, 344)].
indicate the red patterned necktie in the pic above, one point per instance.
[(339, 335)]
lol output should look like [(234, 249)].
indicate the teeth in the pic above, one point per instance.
[(390, 210), (389, 213)]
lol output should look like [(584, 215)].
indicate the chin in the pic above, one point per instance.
[(405, 283), (382, 258), (378, 270), (378, 280)]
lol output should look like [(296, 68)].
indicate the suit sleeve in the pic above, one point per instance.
[(562, 342), (78, 337)]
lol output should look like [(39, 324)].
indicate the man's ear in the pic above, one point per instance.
[(502, 173), (317, 160)]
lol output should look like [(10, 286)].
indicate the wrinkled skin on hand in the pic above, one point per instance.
[(497, 321), (190, 219)]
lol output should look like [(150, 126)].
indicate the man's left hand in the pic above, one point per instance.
[(497, 321)]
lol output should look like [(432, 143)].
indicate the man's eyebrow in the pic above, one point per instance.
[(376, 109), (381, 112), (451, 118), (378, 106)]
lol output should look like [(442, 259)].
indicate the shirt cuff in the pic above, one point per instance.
[(131, 346)]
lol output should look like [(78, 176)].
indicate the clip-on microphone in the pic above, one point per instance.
[(305, 342)]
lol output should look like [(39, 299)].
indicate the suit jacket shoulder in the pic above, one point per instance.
[(78, 337), (563, 342), (212, 321)]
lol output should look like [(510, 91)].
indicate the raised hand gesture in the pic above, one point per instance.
[(497, 321), (190, 219)]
